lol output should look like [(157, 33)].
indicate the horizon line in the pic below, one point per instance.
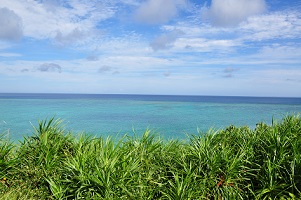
[(139, 94)]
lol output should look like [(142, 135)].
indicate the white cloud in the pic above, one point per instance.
[(44, 20), (5, 44), (285, 80), (205, 45), (11, 25), (281, 55), (192, 76), (232, 12), (166, 40), (277, 25), (129, 44), (9, 54), (279, 51), (249, 35), (131, 2), (158, 11), (76, 37)]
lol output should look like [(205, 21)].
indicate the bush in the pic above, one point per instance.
[(234, 163)]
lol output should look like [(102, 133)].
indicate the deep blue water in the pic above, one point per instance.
[(171, 116)]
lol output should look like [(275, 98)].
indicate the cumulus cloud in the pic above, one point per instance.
[(70, 38), (166, 41), (50, 67), (62, 21), (11, 25), (158, 11), (232, 12)]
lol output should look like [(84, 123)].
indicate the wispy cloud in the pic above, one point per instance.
[(61, 18), (10, 55), (50, 67), (280, 25)]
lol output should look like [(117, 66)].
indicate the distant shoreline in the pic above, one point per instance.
[(129, 94), (176, 98)]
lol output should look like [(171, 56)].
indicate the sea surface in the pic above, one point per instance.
[(170, 116)]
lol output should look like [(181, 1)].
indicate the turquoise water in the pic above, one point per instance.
[(171, 116)]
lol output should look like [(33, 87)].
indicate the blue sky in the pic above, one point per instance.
[(187, 47)]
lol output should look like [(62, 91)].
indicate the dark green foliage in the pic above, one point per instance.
[(6, 161), (234, 163)]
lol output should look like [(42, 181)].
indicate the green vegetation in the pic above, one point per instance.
[(234, 163)]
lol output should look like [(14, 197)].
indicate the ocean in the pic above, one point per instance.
[(172, 117)]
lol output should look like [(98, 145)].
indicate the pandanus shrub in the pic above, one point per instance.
[(233, 163)]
